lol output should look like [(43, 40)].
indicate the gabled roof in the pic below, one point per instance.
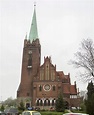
[(73, 89), (66, 88), (49, 60), (60, 74), (69, 89), (64, 78)]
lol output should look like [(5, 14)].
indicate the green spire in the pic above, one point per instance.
[(33, 35)]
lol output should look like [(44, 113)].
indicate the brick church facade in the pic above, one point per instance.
[(40, 85)]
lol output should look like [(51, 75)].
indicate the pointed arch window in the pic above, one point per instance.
[(37, 103), (53, 103), (45, 102), (41, 104), (48, 102), (30, 59), (40, 88), (53, 88), (30, 62), (47, 71)]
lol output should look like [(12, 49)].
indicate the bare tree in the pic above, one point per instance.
[(84, 58)]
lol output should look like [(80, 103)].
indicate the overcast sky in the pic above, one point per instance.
[(62, 24)]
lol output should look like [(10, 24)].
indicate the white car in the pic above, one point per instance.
[(75, 114), (31, 113)]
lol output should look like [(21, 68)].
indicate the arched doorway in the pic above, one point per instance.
[(41, 104), (45, 102), (48, 102)]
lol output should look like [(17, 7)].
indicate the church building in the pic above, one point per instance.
[(41, 85)]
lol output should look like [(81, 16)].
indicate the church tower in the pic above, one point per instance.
[(30, 61)]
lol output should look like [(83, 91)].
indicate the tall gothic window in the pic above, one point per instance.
[(42, 74), (40, 88), (53, 88), (52, 75), (30, 60), (47, 71)]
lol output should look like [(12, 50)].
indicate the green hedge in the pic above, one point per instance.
[(51, 113)]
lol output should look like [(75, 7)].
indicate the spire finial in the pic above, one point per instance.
[(34, 4)]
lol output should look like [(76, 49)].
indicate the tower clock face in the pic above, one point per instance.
[(29, 52), (47, 87)]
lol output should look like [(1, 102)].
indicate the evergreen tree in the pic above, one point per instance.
[(90, 89), (60, 104), (83, 106), (2, 108), (21, 107), (90, 99), (92, 103)]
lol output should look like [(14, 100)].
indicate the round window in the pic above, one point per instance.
[(47, 87)]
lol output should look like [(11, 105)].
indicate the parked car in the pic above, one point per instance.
[(31, 113), (75, 114), (11, 111), (2, 113)]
